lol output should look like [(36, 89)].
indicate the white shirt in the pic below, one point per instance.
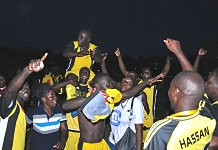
[(119, 119)]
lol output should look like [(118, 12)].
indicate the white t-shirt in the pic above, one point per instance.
[(119, 119)]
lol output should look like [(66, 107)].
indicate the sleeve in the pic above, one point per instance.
[(70, 46), (215, 111), (138, 111), (4, 109), (157, 139)]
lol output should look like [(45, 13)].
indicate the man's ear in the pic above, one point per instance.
[(88, 40), (97, 86), (43, 99)]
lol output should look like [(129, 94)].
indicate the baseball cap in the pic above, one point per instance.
[(42, 87)]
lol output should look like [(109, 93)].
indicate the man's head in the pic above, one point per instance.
[(55, 69), (186, 90), (102, 81), (46, 94), (24, 93), (134, 75), (146, 73), (84, 75), (127, 83), (72, 76), (2, 81), (84, 37), (212, 85)]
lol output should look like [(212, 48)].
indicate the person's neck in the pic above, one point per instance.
[(86, 47), (20, 102), (48, 109)]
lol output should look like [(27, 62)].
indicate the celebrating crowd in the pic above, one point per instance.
[(69, 111)]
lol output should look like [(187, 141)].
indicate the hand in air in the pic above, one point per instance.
[(202, 51), (105, 56), (150, 81), (173, 45), (37, 65), (117, 52)]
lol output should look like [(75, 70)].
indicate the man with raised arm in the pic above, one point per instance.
[(187, 128), (12, 116)]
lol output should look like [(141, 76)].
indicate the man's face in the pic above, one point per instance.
[(146, 74), (83, 39), (105, 83), (126, 84), (133, 75), (212, 86), (2, 81), (50, 99), (24, 92), (84, 75)]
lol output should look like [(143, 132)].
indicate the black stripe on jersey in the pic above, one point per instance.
[(9, 134)]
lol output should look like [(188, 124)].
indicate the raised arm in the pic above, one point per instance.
[(16, 83), (120, 62), (174, 46), (104, 70), (166, 67), (201, 52), (136, 89)]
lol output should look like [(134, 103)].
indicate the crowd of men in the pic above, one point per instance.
[(69, 111)]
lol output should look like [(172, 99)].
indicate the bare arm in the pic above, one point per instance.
[(139, 133), (174, 46), (166, 67), (73, 103), (145, 102), (104, 70), (64, 135), (16, 83), (64, 83), (214, 143), (120, 62), (69, 51), (201, 52), (136, 89)]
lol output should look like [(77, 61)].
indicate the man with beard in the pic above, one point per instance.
[(82, 53), (12, 116)]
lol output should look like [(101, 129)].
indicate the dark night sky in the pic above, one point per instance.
[(137, 27)]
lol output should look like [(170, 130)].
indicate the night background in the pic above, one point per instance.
[(28, 29)]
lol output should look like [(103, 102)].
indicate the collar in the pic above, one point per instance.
[(184, 113)]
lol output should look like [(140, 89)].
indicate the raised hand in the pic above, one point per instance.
[(155, 79), (105, 56), (173, 45), (117, 52), (37, 65), (202, 51)]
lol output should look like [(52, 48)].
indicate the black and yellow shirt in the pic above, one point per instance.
[(193, 132), (76, 63), (12, 127)]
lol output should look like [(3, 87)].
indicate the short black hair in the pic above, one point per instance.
[(98, 77)]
